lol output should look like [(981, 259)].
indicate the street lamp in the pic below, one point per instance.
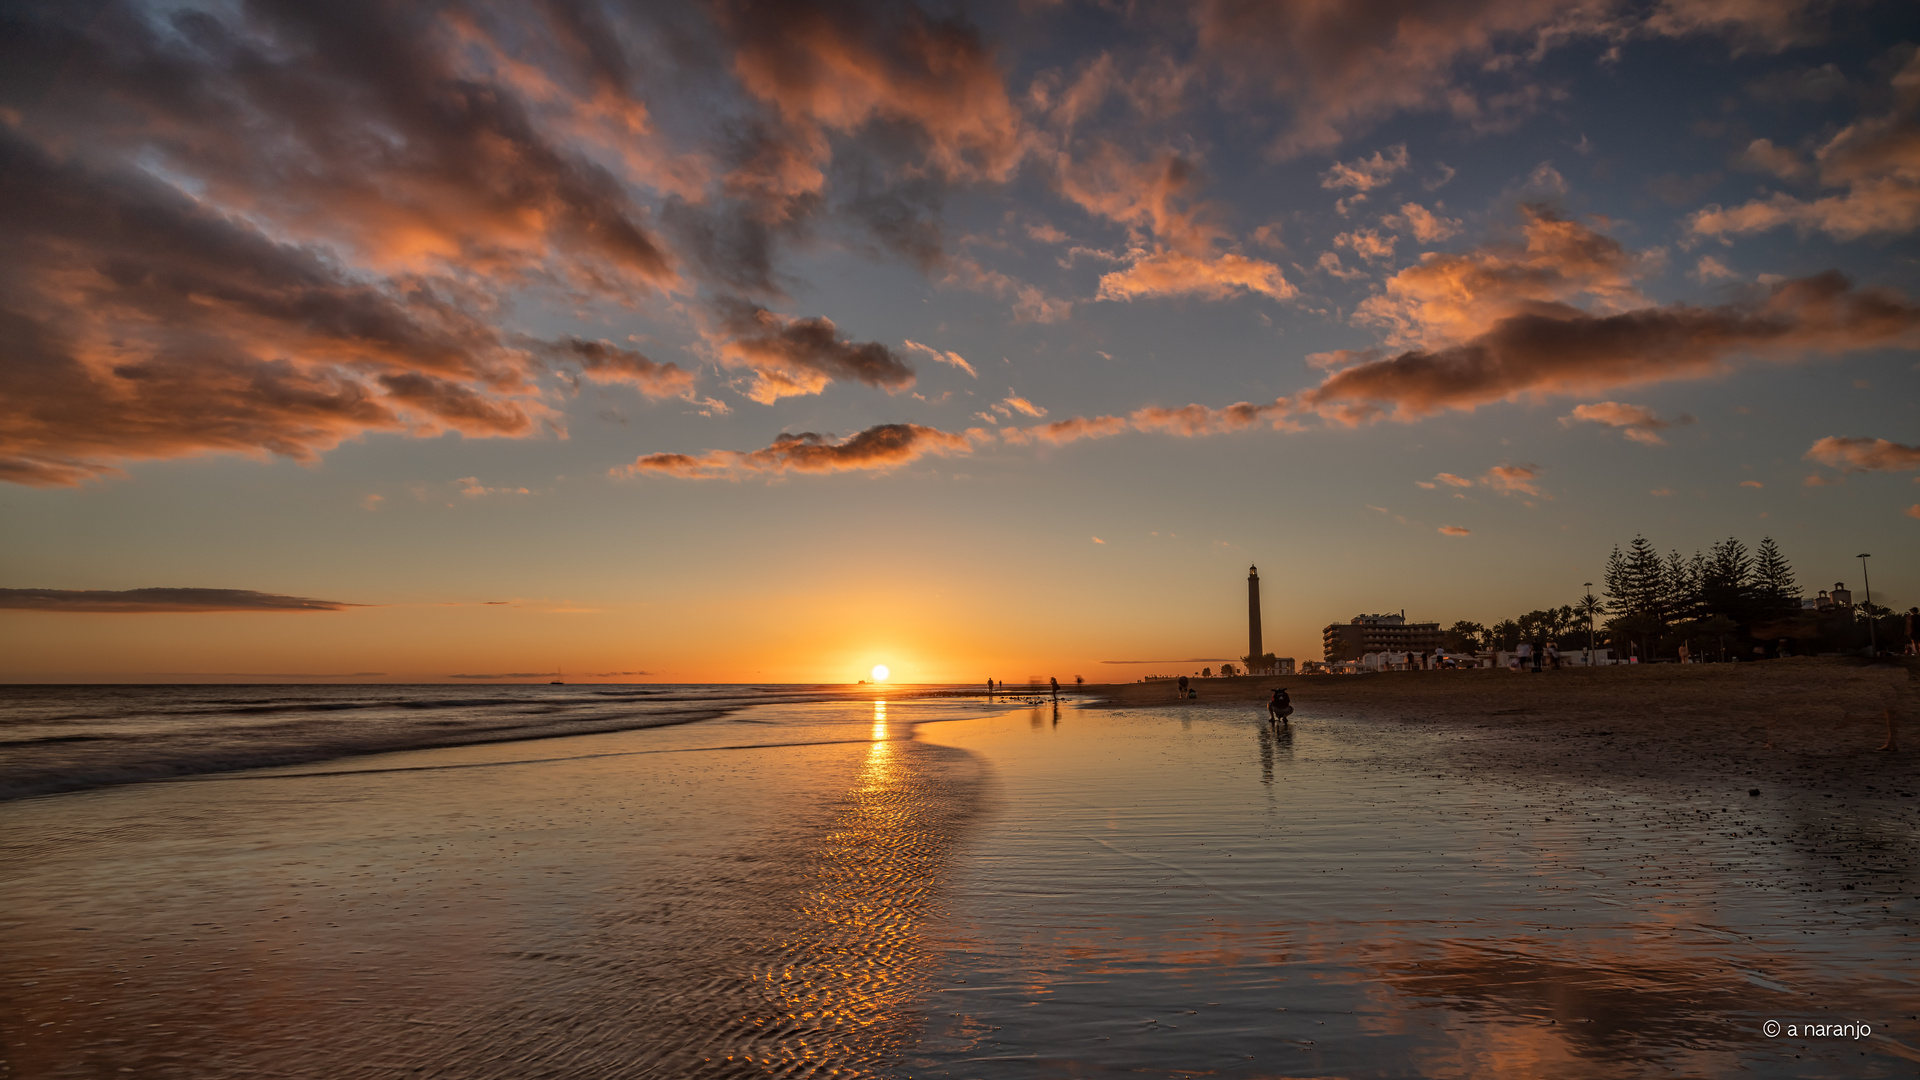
[(1873, 643)]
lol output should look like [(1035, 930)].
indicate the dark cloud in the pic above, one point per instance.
[(1328, 62), (1559, 350), (790, 356), (884, 70), (508, 675), (877, 449), (604, 362), (264, 229), (160, 600)]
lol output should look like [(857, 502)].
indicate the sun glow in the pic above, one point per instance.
[(880, 673)]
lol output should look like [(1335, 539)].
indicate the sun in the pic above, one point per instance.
[(880, 673)]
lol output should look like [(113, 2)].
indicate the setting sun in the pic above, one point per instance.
[(880, 673)]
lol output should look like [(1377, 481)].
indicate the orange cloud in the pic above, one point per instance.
[(475, 187), (1007, 406), (1876, 161), (1455, 530), (1514, 480), (307, 246), (1913, 511), (1637, 422), (1330, 263), (1365, 174), (1752, 484), (842, 69), (1195, 420), (1368, 244), (1061, 432), (1451, 480), (1425, 225), (1173, 234), (1035, 306), (1151, 196), (952, 359), (1171, 273), (1864, 455), (877, 449), (201, 335), (1447, 298)]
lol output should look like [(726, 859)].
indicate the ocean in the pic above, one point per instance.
[(70, 738)]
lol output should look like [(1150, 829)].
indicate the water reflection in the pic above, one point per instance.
[(844, 989), (1273, 742), (1152, 912)]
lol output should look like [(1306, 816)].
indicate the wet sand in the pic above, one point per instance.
[(1805, 723), (1404, 884), (1176, 890)]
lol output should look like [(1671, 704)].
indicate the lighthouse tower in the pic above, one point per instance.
[(1254, 651)]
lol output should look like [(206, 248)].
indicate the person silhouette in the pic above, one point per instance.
[(1279, 706), (1056, 687)]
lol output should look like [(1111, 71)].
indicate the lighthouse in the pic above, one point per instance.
[(1254, 651)]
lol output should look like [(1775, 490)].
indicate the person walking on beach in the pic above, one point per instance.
[(1056, 687), (1524, 651), (989, 689)]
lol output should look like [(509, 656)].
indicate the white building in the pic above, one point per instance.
[(1568, 658)]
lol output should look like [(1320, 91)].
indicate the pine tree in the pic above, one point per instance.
[(1682, 578), (1775, 592), (1646, 593), (1727, 585), (1646, 579), (1615, 582)]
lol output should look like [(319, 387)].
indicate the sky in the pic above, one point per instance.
[(742, 342)]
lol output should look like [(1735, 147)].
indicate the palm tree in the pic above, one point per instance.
[(1587, 608)]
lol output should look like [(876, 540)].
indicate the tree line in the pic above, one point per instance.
[(1724, 602)]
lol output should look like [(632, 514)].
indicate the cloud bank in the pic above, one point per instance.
[(877, 449), (135, 601), (1864, 455)]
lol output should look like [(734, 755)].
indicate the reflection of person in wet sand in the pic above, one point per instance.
[(1279, 707)]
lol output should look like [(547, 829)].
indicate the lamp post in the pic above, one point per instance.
[(1586, 601), (1873, 642)]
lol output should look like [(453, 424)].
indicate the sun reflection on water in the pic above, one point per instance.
[(844, 990)]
